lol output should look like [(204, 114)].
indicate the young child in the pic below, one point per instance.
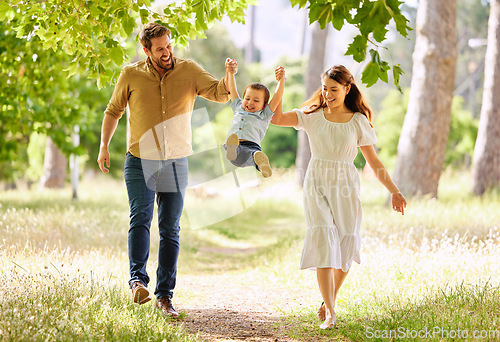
[(252, 114)]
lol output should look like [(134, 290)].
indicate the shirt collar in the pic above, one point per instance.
[(152, 68)]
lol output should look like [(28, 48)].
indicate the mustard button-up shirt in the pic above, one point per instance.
[(161, 108)]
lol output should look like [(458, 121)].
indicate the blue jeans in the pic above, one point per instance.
[(167, 181)]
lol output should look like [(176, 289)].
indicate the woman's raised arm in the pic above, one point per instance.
[(288, 119)]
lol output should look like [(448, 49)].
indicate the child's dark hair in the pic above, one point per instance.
[(259, 86), (354, 100), (152, 30)]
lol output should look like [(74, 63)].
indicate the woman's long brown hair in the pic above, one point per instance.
[(354, 100)]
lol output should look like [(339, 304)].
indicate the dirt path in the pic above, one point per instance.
[(219, 310), (242, 307)]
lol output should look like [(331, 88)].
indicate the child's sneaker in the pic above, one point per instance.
[(262, 162), (231, 145)]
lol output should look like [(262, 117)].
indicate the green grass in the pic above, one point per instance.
[(469, 312), (65, 296), (63, 264), (436, 267)]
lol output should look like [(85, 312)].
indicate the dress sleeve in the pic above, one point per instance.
[(366, 134), (300, 119)]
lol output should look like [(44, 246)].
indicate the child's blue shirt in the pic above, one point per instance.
[(249, 126)]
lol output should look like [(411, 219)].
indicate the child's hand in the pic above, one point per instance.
[(231, 66), (279, 72)]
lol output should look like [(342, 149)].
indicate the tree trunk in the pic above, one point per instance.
[(422, 145), (54, 166), (315, 68), (250, 48), (486, 165)]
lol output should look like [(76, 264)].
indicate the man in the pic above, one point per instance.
[(160, 93)]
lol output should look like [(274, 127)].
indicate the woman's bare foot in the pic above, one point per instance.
[(329, 323), (321, 312)]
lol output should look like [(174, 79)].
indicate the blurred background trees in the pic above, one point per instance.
[(425, 131), (40, 101), (486, 171)]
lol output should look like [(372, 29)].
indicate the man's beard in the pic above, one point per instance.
[(160, 64)]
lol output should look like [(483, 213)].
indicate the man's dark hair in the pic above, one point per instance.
[(152, 30)]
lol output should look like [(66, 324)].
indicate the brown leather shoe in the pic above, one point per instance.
[(140, 292), (165, 305)]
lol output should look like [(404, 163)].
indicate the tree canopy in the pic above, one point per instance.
[(50, 49), (37, 95), (92, 32)]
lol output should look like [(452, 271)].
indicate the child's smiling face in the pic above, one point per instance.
[(253, 100)]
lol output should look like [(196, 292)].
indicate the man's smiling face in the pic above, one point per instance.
[(161, 53)]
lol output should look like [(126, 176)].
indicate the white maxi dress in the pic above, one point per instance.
[(331, 192)]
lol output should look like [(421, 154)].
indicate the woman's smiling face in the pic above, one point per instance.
[(333, 92)]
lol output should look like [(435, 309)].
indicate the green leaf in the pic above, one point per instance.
[(6, 12), (396, 74), (362, 18), (382, 74), (400, 20), (116, 55), (370, 74), (237, 15), (358, 48), (382, 65), (300, 3), (380, 17), (380, 31), (128, 24), (375, 56), (94, 10), (73, 68), (144, 14), (338, 18), (322, 13)]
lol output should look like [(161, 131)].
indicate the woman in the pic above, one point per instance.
[(337, 120)]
